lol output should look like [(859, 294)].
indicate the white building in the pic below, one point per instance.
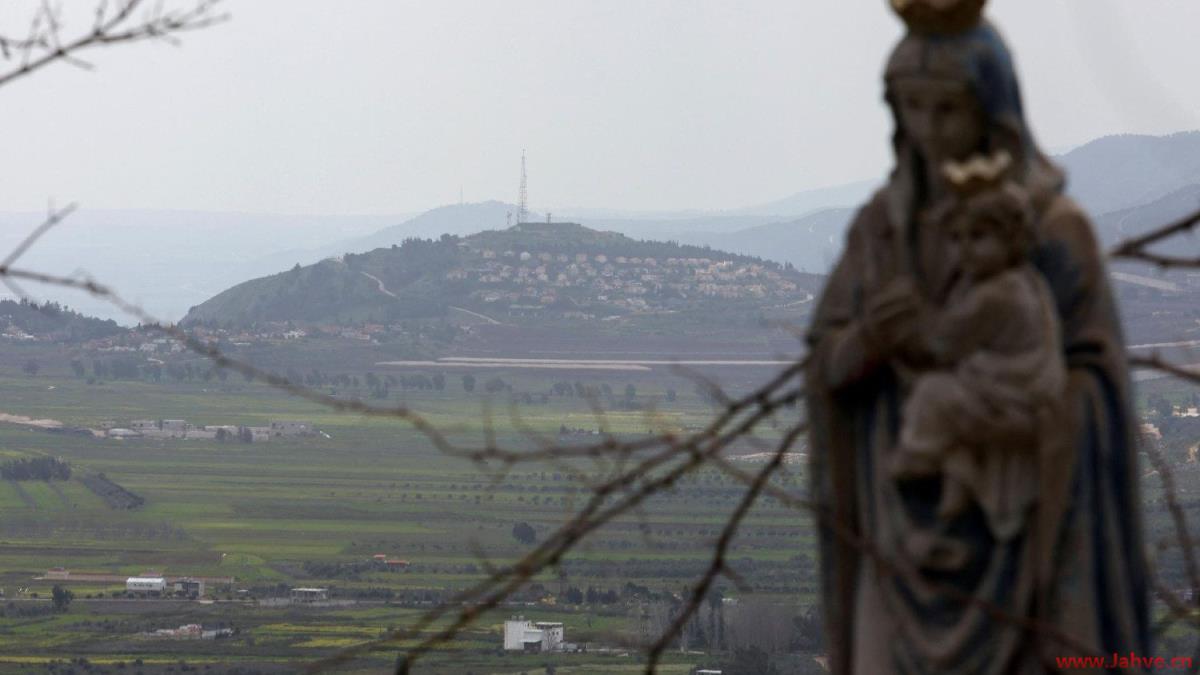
[(306, 595), (523, 635), (259, 434), (118, 432), (145, 584), (552, 635), (291, 428), (161, 428)]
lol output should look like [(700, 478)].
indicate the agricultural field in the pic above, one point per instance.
[(315, 511)]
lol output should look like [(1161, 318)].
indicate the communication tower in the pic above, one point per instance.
[(523, 197)]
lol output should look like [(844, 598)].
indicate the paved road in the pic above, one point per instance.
[(384, 289)]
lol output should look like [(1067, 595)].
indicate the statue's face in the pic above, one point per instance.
[(942, 118), (977, 245)]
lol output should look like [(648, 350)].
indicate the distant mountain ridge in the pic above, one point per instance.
[(806, 229), (1137, 182), (811, 201), (1120, 172), (167, 261), (457, 219), (810, 243)]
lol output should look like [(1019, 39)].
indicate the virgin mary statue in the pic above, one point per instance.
[(906, 588)]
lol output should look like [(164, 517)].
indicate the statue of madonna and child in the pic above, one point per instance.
[(973, 439)]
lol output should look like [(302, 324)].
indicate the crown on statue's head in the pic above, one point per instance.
[(939, 16)]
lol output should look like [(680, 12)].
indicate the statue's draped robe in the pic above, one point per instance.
[(1074, 576)]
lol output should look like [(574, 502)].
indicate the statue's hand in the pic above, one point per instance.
[(890, 320)]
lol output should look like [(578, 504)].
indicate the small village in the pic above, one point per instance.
[(182, 429), (530, 279), (520, 634)]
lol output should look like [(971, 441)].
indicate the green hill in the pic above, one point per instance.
[(532, 270)]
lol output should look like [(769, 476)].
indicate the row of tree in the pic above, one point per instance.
[(132, 368), (129, 368), (35, 468), (55, 321), (592, 596)]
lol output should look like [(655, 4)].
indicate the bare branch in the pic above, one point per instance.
[(53, 218), (1135, 248), (1156, 362), (1178, 516), (696, 452), (717, 565), (45, 45)]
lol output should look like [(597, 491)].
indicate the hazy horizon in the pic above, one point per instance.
[(399, 107), (398, 217)]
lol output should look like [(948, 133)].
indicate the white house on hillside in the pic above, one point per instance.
[(523, 635)]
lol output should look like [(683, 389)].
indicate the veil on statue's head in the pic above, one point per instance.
[(948, 39)]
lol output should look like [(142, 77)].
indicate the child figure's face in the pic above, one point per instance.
[(978, 248)]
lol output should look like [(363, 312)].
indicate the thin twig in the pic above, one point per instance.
[(52, 219), (1178, 516), (1155, 361), (1135, 248), (44, 46), (717, 564)]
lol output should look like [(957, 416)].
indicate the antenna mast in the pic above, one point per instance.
[(523, 198)]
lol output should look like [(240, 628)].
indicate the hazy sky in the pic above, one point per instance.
[(388, 106)]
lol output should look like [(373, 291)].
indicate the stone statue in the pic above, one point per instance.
[(973, 441), (976, 418)]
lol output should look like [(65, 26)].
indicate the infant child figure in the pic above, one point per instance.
[(977, 418)]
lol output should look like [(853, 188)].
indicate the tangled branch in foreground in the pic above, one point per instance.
[(1138, 248), (49, 41)]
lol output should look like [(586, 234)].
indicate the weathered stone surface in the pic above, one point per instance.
[(974, 441)]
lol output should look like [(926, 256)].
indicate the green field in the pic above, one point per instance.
[(313, 511)]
